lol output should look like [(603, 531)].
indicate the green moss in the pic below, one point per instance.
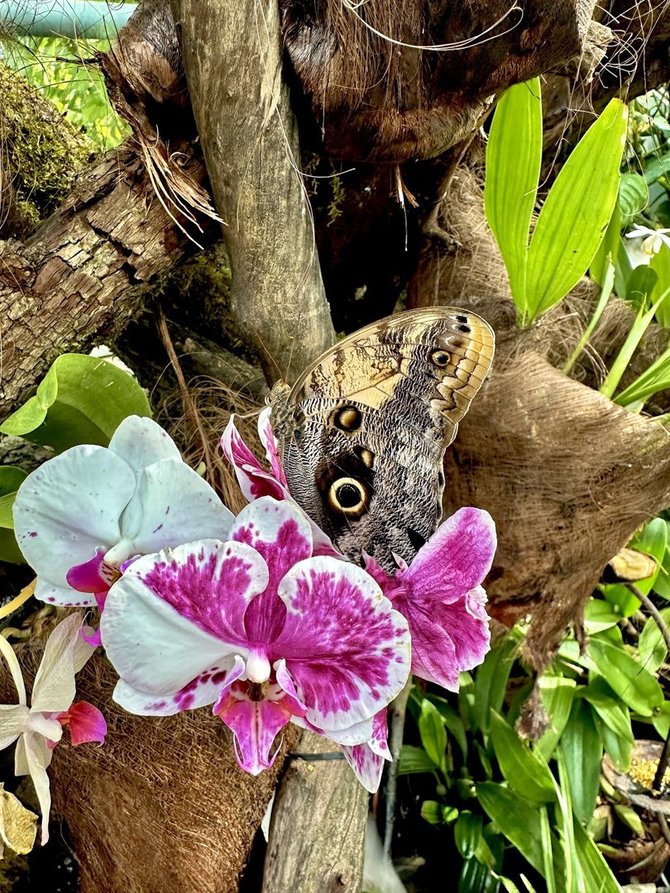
[(43, 150)]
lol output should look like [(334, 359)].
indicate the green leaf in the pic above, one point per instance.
[(651, 644), (452, 721), (433, 734), (582, 748), (491, 681), (630, 818), (657, 168), (576, 213), (518, 821), (414, 760), (613, 713), (557, 693), (660, 264), (431, 811), (632, 683), (525, 771), (11, 479), (598, 615), (633, 195), (652, 540), (513, 159), (595, 871), (661, 720), (81, 399)]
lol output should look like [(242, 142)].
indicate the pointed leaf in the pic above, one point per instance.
[(525, 772), (576, 213), (518, 821), (557, 693), (581, 747)]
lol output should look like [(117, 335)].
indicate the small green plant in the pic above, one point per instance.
[(546, 260)]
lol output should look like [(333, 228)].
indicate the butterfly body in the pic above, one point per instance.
[(363, 431)]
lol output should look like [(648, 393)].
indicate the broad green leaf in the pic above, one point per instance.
[(651, 644), (641, 285), (576, 213), (433, 734), (513, 159), (414, 760), (608, 250), (661, 720), (491, 681), (518, 821), (660, 263), (525, 771), (599, 615), (469, 839), (613, 713), (557, 693), (595, 871), (582, 748), (431, 811), (632, 683), (452, 721), (652, 540), (81, 399), (11, 479)]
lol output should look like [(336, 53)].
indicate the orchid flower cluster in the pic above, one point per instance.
[(257, 616)]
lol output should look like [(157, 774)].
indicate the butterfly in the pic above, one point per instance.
[(363, 431)]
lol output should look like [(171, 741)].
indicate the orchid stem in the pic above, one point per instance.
[(398, 711)]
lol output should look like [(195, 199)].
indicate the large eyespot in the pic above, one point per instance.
[(347, 495), (440, 358), (347, 418)]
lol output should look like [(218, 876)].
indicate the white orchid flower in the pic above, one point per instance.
[(83, 514), (651, 242), (38, 729)]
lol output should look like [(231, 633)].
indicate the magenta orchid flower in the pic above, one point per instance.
[(262, 629), (38, 729), (441, 596), (83, 514), (254, 481)]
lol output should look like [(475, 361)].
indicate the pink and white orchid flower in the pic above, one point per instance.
[(262, 629), (38, 729), (83, 514)]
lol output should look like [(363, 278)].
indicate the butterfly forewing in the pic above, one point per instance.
[(363, 431)]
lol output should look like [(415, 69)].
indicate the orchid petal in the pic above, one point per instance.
[(12, 662), (454, 560), (32, 757), (367, 765), (172, 505), (199, 692), (280, 532), (64, 654), (86, 723), (90, 576), (13, 721), (347, 651), (254, 482), (359, 733), (173, 615), (69, 507), (255, 724), (456, 637), (140, 442), (63, 597), (269, 441)]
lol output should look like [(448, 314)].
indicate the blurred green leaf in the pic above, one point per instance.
[(599, 615), (81, 399), (633, 195), (11, 479), (660, 264), (596, 872), (557, 693), (651, 644), (582, 747), (632, 683), (575, 215), (513, 158), (433, 734), (491, 681), (518, 821), (414, 760), (630, 818), (452, 721), (525, 771)]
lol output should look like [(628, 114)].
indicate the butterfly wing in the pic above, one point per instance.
[(363, 431)]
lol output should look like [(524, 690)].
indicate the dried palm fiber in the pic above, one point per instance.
[(162, 806), (567, 474)]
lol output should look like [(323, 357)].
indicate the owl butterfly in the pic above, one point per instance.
[(363, 431)]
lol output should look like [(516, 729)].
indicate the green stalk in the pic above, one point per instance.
[(606, 291)]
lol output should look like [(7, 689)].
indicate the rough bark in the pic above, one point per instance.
[(232, 58), (79, 277), (315, 797)]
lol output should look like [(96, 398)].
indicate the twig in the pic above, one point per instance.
[(665, 632)]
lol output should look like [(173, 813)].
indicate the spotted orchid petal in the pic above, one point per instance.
[(367, 760), (441, 597), (346, 650), (141, 442), (256, 483), (62, 596), (174, 616), (253, 480)]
